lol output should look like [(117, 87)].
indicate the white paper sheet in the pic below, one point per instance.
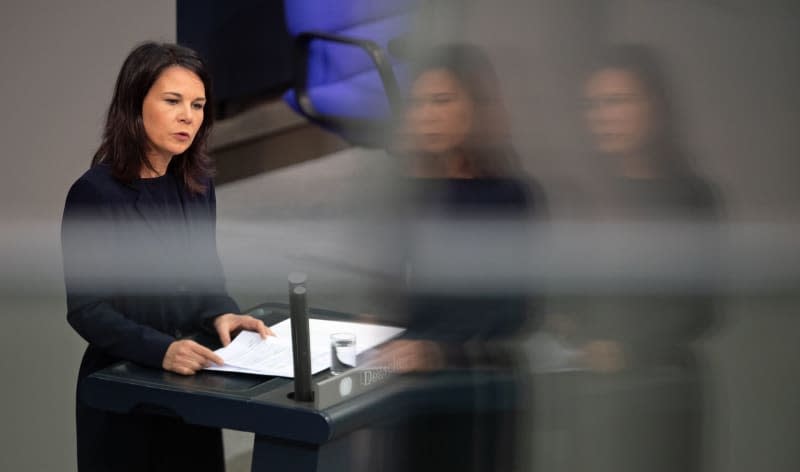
[(250, 354)]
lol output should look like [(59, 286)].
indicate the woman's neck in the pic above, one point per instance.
[(159, 164), (449, 165), (637, 166)]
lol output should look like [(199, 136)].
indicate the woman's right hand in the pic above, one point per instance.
[(412, 356), (604, 356), (186, 357)]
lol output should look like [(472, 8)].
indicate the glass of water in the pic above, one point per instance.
[(343, 352)]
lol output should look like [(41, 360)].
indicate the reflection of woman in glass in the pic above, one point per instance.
[(463, 173), (456, 150), (632, 123), (140, 258), (456, 122), (462, 167), (639, 408)]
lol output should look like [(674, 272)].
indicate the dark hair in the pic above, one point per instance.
[(644, 64), (124, 143), (488, 148)]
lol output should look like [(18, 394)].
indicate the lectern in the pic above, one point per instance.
[(289, 435)]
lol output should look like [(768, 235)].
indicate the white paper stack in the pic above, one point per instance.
[(250, 354)]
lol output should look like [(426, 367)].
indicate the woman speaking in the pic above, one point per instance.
[(140, 259)]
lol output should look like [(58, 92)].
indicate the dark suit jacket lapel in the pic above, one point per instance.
[(147, 211), (195, 211), (191, 212)]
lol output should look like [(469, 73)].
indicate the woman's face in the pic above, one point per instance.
[(618, 112), (440, 112), (172, 111)]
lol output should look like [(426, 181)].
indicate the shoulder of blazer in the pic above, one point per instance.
[(103, 186), (99, 186), (97, 189)]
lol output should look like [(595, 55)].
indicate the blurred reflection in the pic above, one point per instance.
[(456, 124), (462, 169), (631, 120), (628, 386)]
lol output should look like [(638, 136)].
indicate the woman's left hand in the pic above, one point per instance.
[(604, 356), (229, 325)]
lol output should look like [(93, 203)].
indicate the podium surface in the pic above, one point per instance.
[(289, 435)]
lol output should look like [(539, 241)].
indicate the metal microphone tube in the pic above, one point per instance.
[(301, 349)]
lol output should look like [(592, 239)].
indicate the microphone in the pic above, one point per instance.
[(301, 350), (297, 279)]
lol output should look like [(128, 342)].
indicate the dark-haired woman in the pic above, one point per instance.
[(140, 261), (469, 209), (461, 168), (639, 404)]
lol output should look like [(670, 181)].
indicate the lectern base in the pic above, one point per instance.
[(290, 456)]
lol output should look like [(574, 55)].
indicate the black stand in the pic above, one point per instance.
[(289, 435), (301, 349)]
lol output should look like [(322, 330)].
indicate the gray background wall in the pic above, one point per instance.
[(59, 61)]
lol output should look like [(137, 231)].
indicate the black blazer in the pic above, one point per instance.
[(131, 290), (464, 316)]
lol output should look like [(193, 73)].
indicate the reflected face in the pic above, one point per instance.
[(440, 112), (172, 111), (618, 112)]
